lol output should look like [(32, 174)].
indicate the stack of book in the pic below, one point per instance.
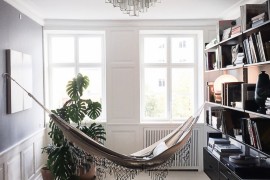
[(236, 30), (226, 150), (259, 19), (213, 141), (267, 105)]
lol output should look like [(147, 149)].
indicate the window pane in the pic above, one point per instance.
[(90, 49), (59, 80), (155, 50), (62, 49), (182, 92), (94, 90), (182, 50), (155, 93)]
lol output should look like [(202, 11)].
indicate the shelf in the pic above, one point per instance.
[(232, 67), (233, 108), (258, 114), (213, 46), (257, 64), (227, 107), (213, 70), (232, 40), (256, 29)]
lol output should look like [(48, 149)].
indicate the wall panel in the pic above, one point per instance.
[(28, 162), (1, 171), (14, 168), (123, 93), (123, 46)]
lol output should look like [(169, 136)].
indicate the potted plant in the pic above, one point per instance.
[(66, 161)]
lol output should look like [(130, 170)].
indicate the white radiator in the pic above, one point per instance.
[(152, 135)]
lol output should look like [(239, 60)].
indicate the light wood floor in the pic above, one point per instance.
[(173, 175)]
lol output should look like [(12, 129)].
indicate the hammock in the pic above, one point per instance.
[(129, 165)]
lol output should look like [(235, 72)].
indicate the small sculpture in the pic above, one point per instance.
[(262, 91)]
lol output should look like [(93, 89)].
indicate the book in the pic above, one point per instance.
[(227, 148), (253, 49), (211, 60), (247, 50), (267, 50), (210, 92), (245, 133), (213, 141), (257, 23), (256, 133), (261, 47), (236, 30), (219, 155), (259, 17)]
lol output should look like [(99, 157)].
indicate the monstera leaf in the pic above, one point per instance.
[(75, 87), (95, 131), (76, 111), (56, 134), (94, 110), (60, 161)]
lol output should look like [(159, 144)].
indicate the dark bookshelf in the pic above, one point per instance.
[(238, 119)]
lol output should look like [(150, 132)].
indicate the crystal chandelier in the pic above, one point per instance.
[(133, 7)]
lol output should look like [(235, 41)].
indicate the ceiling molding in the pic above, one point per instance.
[(26, 10), (81, 24)]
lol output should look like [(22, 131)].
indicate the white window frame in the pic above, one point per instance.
[(49, 65), (169, 66)]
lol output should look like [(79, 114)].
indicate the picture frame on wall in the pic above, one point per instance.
[(19, 67)]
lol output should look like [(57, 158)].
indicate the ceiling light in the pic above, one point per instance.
[(133, 7)]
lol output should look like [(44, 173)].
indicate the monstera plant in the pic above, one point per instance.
[(65, 160)]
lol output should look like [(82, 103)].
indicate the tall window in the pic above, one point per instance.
[(168, 67), (70, 54)]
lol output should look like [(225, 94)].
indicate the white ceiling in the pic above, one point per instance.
[(99, 10)]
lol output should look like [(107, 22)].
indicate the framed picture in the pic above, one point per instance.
[(226, 33), (19, 67)]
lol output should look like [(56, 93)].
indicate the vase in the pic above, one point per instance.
[(262, 91), (46, 174)]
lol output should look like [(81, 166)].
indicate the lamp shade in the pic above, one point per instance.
[(222, 79)]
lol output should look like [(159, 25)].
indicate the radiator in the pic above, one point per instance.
[(152, 135)]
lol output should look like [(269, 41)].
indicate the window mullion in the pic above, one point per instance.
[(76, 54), (169, 80)]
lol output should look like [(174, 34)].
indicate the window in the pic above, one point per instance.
[(70, 54), (168, 79)]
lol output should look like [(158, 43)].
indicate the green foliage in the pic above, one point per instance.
[(76, 86), (94, 110), (64, 159), (95, 131)]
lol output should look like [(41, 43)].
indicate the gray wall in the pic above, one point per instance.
[(22, 35)]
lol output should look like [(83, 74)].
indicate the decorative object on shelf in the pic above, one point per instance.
[(243, 159), (226, 33), (262, 91), (133, 7), (218, 85)]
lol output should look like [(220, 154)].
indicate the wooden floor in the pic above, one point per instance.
[(173, 175)]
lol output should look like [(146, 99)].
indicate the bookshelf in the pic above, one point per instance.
[(233, 112)]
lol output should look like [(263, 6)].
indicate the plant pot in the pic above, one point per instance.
[(46, 174), (90, 175)]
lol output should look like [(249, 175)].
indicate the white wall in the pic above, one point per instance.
[(124, 130)]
